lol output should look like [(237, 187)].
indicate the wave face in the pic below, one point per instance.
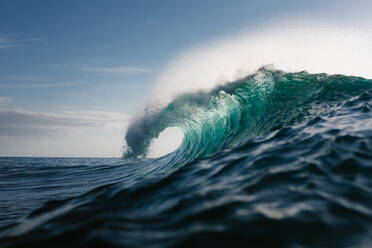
[(275, 159), (227, 115)]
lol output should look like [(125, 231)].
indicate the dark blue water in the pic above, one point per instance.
[(291, 166)]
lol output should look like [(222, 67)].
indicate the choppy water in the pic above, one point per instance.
[(275, 159)]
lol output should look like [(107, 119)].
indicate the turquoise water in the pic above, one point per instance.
[(275, 159), (255, 105)]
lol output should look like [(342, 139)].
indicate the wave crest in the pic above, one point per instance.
[(226, 115)]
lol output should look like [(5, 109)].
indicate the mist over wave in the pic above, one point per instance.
[(289, 46)]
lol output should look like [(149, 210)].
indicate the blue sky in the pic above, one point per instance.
[(92, 58)]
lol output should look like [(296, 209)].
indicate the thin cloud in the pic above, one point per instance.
[(122, 70), (77, 95), (27, 123), (41, 85), (6, 43), (66, 134), (29, 78), (5, 99)]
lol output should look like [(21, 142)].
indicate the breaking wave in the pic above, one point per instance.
[(226, 115)]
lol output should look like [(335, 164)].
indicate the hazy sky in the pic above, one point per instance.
[(73, 72)]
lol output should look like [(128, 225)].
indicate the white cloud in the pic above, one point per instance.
[(5, 99), (122, 70), (5, 43), (29, 81), (11, 43), (41, 85), (77, 95), (28, 78), (70, 133), (20, 119)]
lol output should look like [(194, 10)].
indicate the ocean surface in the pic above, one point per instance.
[(275, 159)]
